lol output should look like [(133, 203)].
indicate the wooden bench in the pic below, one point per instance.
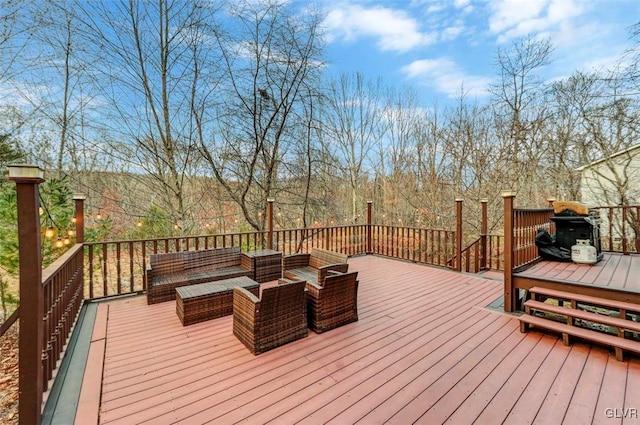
[(570, 327), (313, 267), (210, 300), (166, 272)]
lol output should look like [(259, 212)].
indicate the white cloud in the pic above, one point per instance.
[(394, 29), (445, 76), (452, 32), (516, 18), (461, 4)]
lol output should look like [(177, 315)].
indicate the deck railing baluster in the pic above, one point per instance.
[(131, 278), (118, 269)]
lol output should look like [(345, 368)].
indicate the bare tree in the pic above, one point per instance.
[(394, 171), (15, 34), (151, 63), (270, 57), (518, 104), (354, 121)]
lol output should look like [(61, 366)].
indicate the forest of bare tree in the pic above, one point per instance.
[(186, 116)]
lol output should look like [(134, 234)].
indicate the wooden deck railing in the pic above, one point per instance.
[(620, 229), (520, 229), (117, 267), (526, 223), (62, 285), (427, 246)]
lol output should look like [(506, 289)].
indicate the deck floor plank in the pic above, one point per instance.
[(472, 407), (510, 392), (620, 275), (578, 274), (557, 399), (608, 270), (425, 367), (438, 410), (633, 276), (611, 395), (433, 384), (632, 394), (528, 405), (425, 350), (582, 408)]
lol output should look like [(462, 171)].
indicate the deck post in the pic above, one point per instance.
[(483, 235), (269, 223), (459, 234), (79, 216), (369, 220), (509, 290), (30, 370), (79, 223)]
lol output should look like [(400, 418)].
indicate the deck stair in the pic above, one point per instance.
[(575, 309)]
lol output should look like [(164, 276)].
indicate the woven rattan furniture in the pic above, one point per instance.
[(333, 304), (313, 266), (210, 300), (279, 316), (166, 272), (266, 264)]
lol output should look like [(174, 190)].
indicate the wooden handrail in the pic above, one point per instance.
[(6, 325), (466, 264)]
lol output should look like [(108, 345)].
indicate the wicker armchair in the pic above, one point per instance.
[(333, 304), (278, 317), (313, 267)]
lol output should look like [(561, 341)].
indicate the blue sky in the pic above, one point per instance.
[(435, 46)]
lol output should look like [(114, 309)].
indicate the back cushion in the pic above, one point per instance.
[(212, 258), (321, 257), (166, 263)]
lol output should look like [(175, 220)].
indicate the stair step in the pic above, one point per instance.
[(585, 315), (586, 334), (618, 305)]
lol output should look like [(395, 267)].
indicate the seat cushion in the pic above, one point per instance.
[(200, 276), (307, 273)]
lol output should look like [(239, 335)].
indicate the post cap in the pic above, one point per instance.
[(26, 172), (79, 197), (508, 193)]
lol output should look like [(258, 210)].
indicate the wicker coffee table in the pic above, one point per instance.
[(205, 301)]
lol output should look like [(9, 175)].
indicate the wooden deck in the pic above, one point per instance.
[(616, 276), (616, 271), (425, 350)]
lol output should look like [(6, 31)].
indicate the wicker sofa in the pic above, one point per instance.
[(166, 272), (313, 267), (334, 303), (278, 317)]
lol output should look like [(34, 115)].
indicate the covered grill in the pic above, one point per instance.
[(576, 222)]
